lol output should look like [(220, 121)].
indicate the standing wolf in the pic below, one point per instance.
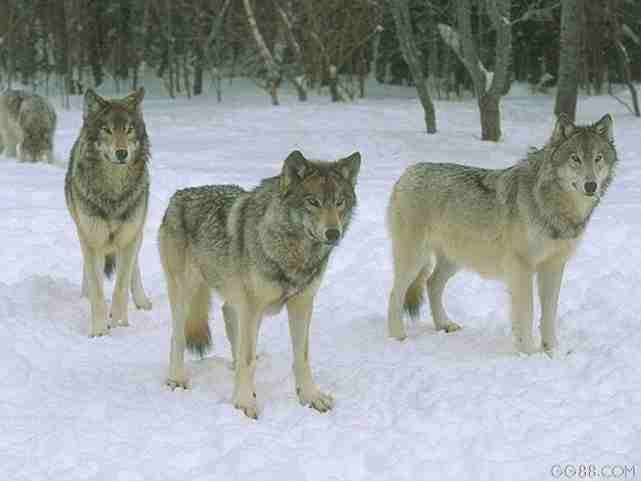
[(27, 126), (505, 224), (107, 190), (259, 250)]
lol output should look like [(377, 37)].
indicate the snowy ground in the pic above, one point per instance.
[(458, 407)]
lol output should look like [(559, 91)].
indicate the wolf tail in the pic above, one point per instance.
[(415, 294), (110, 265), (197, 333)]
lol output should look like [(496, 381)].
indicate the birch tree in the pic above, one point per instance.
[(412, 55), (489, 87)]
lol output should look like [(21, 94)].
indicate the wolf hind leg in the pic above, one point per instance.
[(412, 264), (197, 304), (443, 271), (173, 260)]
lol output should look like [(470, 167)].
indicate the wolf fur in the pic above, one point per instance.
[(509, 224), (27, 126), (259, 250), (107, 191)]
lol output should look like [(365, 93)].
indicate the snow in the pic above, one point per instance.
[(460, 406)]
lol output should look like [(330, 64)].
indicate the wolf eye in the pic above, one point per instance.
[(340, 202), (598, 158), (130, 128), (312, 201), (575, 158), (106, 129)]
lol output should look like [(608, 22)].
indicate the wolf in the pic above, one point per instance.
[(259, 250), (107, 193), (511, 224), (27, 126)]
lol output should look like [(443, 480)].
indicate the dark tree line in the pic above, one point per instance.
[(445, 48)]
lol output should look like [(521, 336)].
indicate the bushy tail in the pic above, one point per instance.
[(197, 333), (110, 265), (415, 295)]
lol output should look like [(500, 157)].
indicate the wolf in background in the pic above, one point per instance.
[(27, 126), (259, 250), (509, 224), (107, 191)]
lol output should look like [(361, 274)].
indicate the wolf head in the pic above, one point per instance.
[(583, 157), (116, 127), (320, 195), (36, 145)]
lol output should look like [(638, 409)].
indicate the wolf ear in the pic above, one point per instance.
[(563, 128), (350, 166), (134, 99), (93, 103), (604, 127), (294, 169)]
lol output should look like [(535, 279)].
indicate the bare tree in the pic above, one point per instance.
[(567, 85), (489, 87), (273, 69), (287, 25), (412, 56), (622, 54)]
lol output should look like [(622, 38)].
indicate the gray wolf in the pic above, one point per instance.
[(259, 250), (27, 126), (107, 191), (509, 224)]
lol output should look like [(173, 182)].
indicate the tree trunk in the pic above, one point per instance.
[(490, 117), (567, 85), (298, 82), (411, 54), (273, 70), (333, 84)]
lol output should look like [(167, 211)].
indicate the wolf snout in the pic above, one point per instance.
[(590, 188), (332, 235), (121, 154)]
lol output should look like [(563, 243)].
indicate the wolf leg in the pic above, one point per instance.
[(177, 376), (126, 258), (92, 262), (549, 282), (247, 335), (435, 286), (231, 328), (299, 311), (520, 284), (137, 290)]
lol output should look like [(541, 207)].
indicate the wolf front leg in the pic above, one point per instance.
[(93, 261), (137, 291), (549, 282), (520, 285), (246, 338), (299, 311), (125, 262)]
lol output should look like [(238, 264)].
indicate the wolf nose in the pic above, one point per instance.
[(121, 154), (332, 235), (590, 188)]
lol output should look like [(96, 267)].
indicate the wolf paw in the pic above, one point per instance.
[(450, 326), (316, 399), (527, 347), (99, 332), (174, 384), (248, 407), (143, 304)]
